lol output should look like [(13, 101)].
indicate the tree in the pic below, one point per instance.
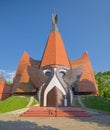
[(9, 83), (103, 81)]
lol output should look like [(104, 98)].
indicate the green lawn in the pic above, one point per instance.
[(13, 103), (94, 102), (97, 102)]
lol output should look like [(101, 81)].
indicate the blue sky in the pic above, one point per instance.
[(84, 26)]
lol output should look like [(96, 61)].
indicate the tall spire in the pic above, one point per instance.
[(54, 22), (55, 52)]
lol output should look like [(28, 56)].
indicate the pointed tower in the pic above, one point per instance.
[(55, 53), (22, 68)]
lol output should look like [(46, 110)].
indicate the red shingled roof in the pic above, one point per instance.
[(87, 81), (55, 53), (22, 79), (5, 90), (22, 68)]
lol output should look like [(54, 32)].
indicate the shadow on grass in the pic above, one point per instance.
[(23, 125)]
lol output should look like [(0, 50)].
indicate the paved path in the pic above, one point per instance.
[(12, 121), (31, 101)]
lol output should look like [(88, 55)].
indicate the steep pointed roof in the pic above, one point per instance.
[(55, 52), (22, 83), (87, 82), (22, 68)]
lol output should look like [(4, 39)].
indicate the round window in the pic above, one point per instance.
[(62, 73), (48, 73)]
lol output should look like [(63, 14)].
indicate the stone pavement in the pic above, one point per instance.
[(12, 121)]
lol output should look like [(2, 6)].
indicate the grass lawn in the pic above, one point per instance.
[(13, 103), (97, 102)]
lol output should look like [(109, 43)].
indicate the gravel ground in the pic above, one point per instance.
[(98, 121)]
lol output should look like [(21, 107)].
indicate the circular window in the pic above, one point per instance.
[(48, 73), (62, 73)]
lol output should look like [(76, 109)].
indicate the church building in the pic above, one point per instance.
[(55, 79)]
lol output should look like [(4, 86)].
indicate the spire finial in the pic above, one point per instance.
[(86, 52), (54, 21)]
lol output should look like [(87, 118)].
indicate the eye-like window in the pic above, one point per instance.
[(62, 73), (48, 73)]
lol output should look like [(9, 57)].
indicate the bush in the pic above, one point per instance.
[(103, 81), (97, 102)]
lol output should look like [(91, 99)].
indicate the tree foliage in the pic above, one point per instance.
[(9, 83), (103, 81)]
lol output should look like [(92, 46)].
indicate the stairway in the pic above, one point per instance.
[(70, 112)]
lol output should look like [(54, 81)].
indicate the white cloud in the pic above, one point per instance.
[(7, 75)]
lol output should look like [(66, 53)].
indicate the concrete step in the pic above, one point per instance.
[(55, 112)]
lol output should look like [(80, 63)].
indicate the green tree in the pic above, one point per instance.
[(103, 81), (9, 83)]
